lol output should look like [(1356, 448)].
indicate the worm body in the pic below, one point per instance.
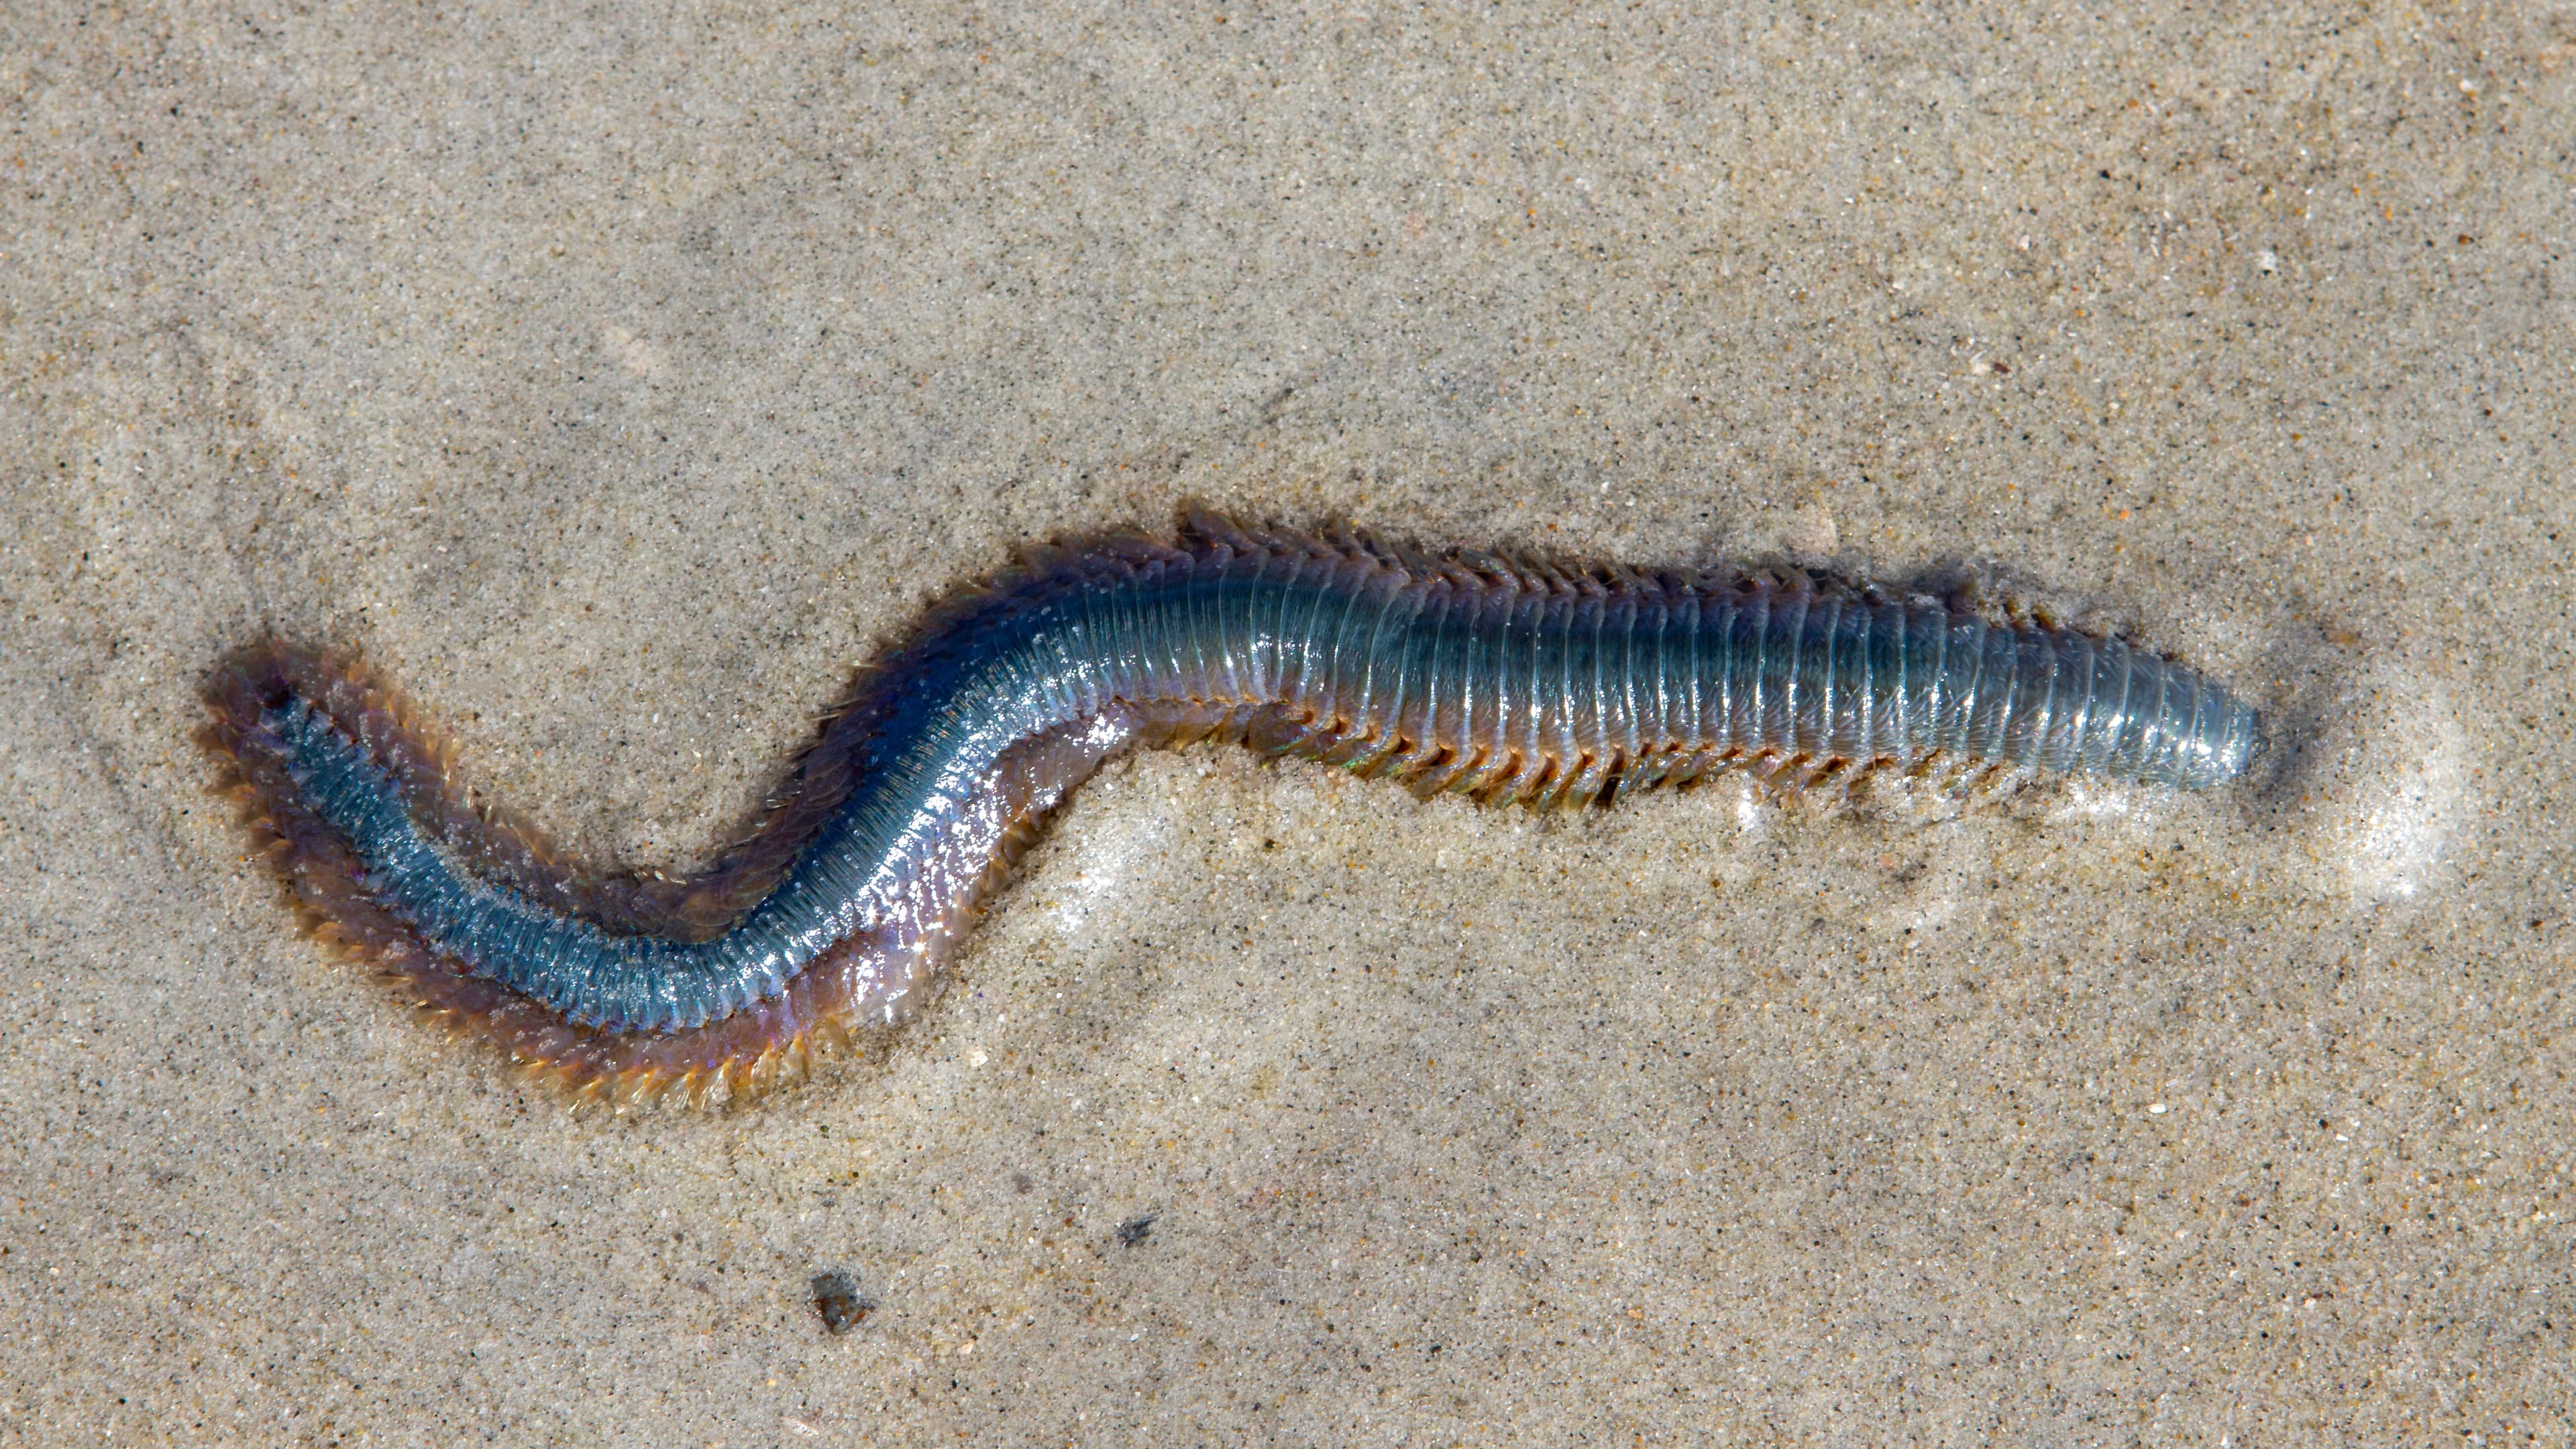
[(1500, 679)]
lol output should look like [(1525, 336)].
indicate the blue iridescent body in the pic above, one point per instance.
[(1505, 681)]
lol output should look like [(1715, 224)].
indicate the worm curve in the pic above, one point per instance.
[(1502, 678)]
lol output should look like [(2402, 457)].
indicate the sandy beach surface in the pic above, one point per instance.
[(621, 377)]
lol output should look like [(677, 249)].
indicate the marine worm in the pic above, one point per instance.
[(1499, 678)]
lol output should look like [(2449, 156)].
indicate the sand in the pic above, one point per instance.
[(621, 378)]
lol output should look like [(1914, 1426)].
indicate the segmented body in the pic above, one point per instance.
[(1505, 681)]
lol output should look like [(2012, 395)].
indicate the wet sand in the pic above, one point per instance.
[(621, 380)]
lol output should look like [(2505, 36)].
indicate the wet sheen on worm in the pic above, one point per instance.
[(1500, 678)]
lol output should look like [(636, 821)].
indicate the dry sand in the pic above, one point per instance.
[(620, 378)]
